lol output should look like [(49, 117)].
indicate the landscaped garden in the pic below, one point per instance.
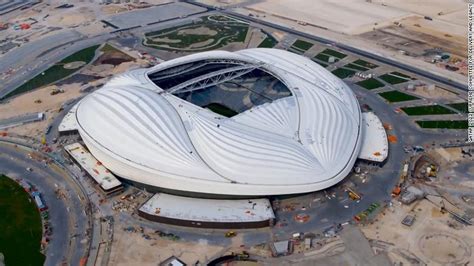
[(370, 84), (326, 54), (268, 42), (334, 53), (395, 78), (320, 63), (365, 64), (356, 67), (461, 107), (396, 96), (427, 110), (206, 33), (447, 124), (322, 57), (300, 47)]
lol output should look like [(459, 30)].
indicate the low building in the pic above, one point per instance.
[(207, 213)]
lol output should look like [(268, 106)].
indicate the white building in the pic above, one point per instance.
[(252, 122)]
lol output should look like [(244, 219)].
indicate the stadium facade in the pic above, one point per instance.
[(247, 123)]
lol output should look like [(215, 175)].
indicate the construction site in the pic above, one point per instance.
[(414, 208), (433, 35)]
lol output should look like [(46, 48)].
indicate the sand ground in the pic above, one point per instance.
[(437, 94), (434, 238), (73, 18), (50, 104), (24, 104), (132, 249), (350, 17)]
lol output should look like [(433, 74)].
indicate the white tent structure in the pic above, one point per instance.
[(143, 125)]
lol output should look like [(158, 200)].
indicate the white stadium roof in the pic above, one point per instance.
[(306, 138)]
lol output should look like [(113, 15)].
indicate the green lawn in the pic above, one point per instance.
[(322, 57), (366, 64), (334, 53), (396, 96), (321, 64), (427, 110), (370, 84), (20, 224), (462, 107), (343, 73), (221, 109), (455, 124), (209, 33), (392, 79), (303, 45), (85, 55), (56, 72), (356, 67), (268, 42), (295, 50), (400, 75)]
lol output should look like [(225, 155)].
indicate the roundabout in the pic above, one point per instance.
[(444, 248)]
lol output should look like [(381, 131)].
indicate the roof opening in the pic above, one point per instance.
[(226, 87)]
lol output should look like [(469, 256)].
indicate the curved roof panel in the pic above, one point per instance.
[(305, 141)]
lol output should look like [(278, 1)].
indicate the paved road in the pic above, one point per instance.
[(323, 213), (154, 14), (67, 216), (33, 58), (18, 120)]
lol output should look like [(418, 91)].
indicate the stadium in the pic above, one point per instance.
[(248, 123)]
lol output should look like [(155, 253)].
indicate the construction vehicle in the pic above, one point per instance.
[(431, 171), (396, 191), (242, 256), (230, 234), (56, 91), (48, 129), (352, 194)]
